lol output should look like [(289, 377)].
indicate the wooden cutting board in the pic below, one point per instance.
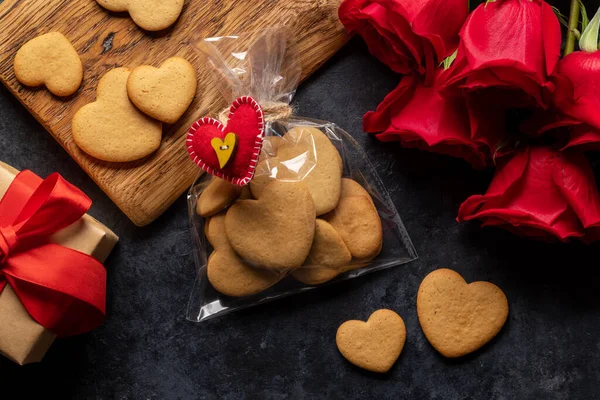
[(145, 189)]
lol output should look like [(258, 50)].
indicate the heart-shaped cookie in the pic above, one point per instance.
[(352, 188), (275, 231), (52, 61), (458, 318), (270, 145), (111, 128), (305, 154), (246, 194), (247, 123), (374, 345), (163, 93), (214, 230), (226, 271), (317, 276), (358, 223), (217, 195), (327, 258), (151, 15)]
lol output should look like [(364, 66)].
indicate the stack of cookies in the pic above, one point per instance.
[(298, 216)]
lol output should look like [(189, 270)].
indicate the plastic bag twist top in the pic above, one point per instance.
[(262, 64)]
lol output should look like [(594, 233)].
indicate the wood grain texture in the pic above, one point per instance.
[(146, 188)]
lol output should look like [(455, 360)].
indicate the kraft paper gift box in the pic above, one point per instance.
[(22, 339)]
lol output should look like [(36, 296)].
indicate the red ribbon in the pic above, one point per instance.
[(62, 289)]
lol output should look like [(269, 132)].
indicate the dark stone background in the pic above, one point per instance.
[(548, 349)]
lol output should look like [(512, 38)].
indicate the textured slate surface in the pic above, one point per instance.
[(146, 350)]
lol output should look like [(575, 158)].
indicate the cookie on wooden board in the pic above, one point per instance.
[(52, 61), (112, 128), (163, 93), (305, 153), (275, 231), (151, 15), (374, 345), (458, 318)]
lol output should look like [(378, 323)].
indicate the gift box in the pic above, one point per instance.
[(52, 282)]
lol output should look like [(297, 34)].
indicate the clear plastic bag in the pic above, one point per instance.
[(268, 71)]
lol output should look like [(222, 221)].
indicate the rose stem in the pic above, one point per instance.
[(573, 23)]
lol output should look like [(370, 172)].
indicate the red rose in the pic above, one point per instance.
[(574, 119), (510, 44), (418, 116), (583, 137), (577, 81), (487, 116), (404, 33), (569, 133), (541, 193)]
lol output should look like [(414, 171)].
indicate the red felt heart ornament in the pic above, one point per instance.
[(246, 122)]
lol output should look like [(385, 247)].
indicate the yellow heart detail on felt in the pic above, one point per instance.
[(224, 148)]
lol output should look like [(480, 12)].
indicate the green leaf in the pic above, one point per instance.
[(561, 18), (589, 38), (584, 17), (449, 60)]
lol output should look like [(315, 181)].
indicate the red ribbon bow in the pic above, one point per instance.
[(62, 289)]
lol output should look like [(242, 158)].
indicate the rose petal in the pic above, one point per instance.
[(551, 37), (511, 44), (577, 81), (568, 131), (437, 21), (370, 21), (524, 35), (584, 138), (575, 180), (541, 191), (418, 116), (404, 34), (487, 119)]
